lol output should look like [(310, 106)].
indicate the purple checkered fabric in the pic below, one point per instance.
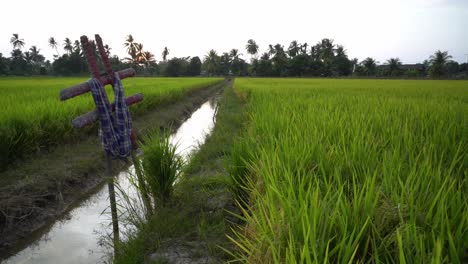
[(115, 130)]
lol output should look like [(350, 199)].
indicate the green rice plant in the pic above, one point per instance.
[(161, 166), (368, 171), (238, 168)]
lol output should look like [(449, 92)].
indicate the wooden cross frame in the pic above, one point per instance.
[(91, 117)]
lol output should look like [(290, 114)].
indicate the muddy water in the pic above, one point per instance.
[(77, 237)]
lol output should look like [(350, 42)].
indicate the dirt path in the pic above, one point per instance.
[(52, 183)]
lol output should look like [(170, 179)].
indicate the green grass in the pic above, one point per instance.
[(33, 118), (341, 171)]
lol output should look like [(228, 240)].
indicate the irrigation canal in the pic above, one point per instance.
[(82, 234)]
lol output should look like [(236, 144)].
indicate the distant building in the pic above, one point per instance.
[(417, 69), (418, 66)]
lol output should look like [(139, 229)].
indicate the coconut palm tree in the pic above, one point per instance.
[(139, 56), (148, 57), (16, 42), (34, 51), (211, 61), (225, 63), (165, 53), (370, 65), (17, 54), (265, 56), (271, 50), (438, 63), (67, 45), (340, 51), (131, 48), (294, 48), (394, 65), (234, 54), (77, 47), (35, 54), (279, 60), (28, 57), (53, 44), (278, 52), (326, 50), (251, 47), (304, 48), (36, 58)]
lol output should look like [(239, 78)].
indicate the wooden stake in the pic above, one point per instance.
[(113, 204)]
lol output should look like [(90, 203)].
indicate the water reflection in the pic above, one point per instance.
[(78, 237), (192, 132)]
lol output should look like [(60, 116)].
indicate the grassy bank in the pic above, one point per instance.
[(33, 118), (344, 171), (193, 227)]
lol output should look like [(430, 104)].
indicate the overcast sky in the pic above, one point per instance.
[(409, 29)]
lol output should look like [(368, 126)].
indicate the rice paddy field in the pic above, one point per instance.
[(32, 117), (346, 171)]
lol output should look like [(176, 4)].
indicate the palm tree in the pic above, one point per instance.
[(165, 53), (265, 56), (394, 66), (294, 48), (211, 61), (36, 58), (326, 48), (225, 63), (77, 47), (340, 51), (28, 57), (148, 57), (279, 52), (271, 50), (304, 48), (251, 47), (131, 48), (53, 44), (234, 54), (16, 41), (279, 60), (139, 56), (438, 63), (370, 66), (34, 51), (17, 54), (67, 45), (35, 54)]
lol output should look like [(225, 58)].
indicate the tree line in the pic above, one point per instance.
[(327, 59), (324, 59)]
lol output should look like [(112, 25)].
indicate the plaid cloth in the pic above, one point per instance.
[(115, 131)]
